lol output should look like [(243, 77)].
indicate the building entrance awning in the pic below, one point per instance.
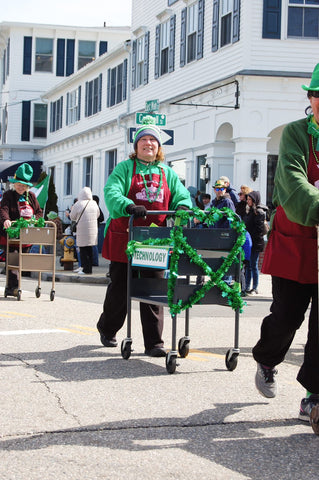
[(8, 169)]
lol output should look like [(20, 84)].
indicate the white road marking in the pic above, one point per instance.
[(30, 332)]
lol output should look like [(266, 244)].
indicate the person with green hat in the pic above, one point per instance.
[(141, 183), (16, 203), (291, 256)]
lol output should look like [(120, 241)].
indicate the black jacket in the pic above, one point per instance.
[(254, 221)]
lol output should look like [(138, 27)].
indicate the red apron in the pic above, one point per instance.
[(116, 238), (291, 250)]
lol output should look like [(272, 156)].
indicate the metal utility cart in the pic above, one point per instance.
[(213, 245), (32, 262)]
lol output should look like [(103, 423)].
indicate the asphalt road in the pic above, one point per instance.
[(72, 409)]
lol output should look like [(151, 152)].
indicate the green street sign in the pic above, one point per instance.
[(151, 105), (160, 119)]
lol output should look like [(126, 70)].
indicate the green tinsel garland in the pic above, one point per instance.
[(179, 245), (16, 225)]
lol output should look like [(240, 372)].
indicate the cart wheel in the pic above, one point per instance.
[(38, 292), (183, 347), (170, 362), (231, 360), (52, 293), (126, 349), (19, 293)]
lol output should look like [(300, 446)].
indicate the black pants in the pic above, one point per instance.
[(115, 308), (290, 302), (86, 254)]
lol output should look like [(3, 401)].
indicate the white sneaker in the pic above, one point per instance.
[(78, 270)]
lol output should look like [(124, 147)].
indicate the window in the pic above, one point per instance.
[(73, 106), (39, 120), (165, 47), (303, 18), (86, 52), (192, 15), (88, 172), (140, 61), (225, 26), (225, 22), (93, 96), (68, 178), (43, 55), (116, 84), (192, 33), (56, 110), (110, 162)]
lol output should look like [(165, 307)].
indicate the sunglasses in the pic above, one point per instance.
[(219, 189), (312, 93)]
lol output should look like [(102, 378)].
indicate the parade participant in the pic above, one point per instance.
[(291, 256), (17, 203), (221, 200), (136, 185)]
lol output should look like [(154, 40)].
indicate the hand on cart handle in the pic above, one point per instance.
[(136, 210)]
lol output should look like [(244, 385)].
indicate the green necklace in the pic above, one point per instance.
[(158, 191)]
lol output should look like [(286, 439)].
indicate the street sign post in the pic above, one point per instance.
[(160, 119), (167, 136), (151, 105)]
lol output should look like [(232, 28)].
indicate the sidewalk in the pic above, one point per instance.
[(99, 276)]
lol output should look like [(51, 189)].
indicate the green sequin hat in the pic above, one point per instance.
[(148, 128), (314, 84), (23, 174)]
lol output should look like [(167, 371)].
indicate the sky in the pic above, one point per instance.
[(82, 13)]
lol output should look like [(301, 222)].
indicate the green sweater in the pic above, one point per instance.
[(292, 191), (119, 182)]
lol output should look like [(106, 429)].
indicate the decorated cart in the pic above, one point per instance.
[(185, 253), (22, 235)]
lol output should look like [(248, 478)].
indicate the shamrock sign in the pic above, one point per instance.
[(178, 243)]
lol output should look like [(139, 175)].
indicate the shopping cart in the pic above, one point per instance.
[(20, 260), (212, 245)]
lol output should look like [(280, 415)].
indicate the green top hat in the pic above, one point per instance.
[(314, 84), (23, 174)]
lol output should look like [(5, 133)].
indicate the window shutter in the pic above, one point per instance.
[(134, 46), (108, 96), (100, 92), (67, 108), (69, 57), (157, 51), (51, 116), (215, 25), (182, 59), (272, 19), (86, 98), (60, 57), (8, 57), (124, 93), (171, 53), (146, 57), (200, 31), (102, 47), (61, 112), (27, 55), (79, 102), (236, 20), (25, 121)]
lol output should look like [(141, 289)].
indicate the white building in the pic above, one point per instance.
[(227, 75)]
